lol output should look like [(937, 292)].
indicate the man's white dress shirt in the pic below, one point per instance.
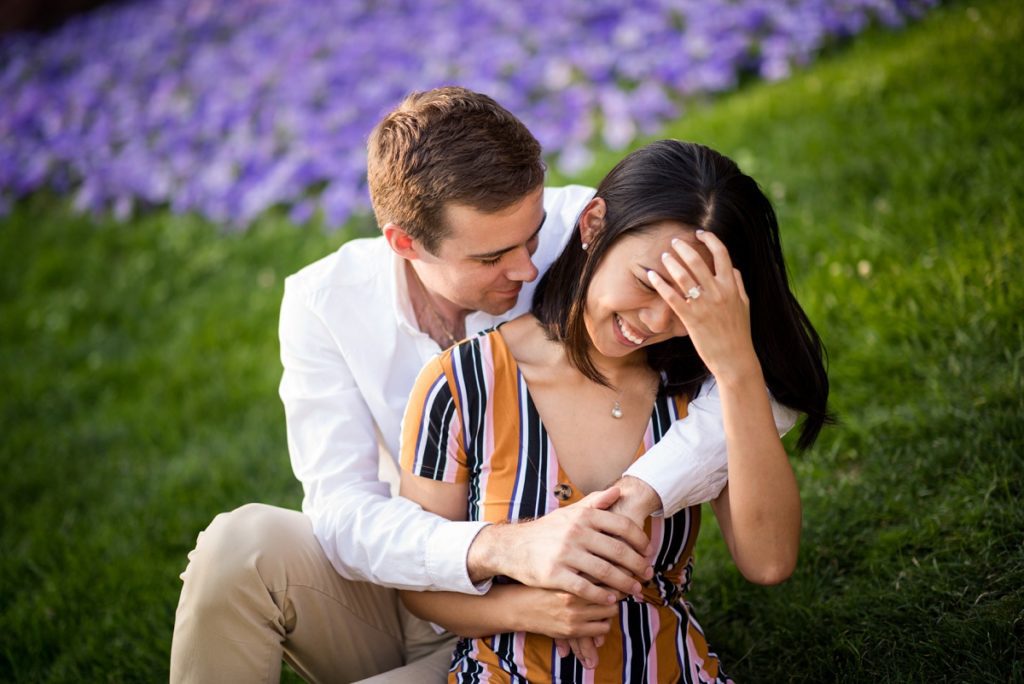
[(351, 351)]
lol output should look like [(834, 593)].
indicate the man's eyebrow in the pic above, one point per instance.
[(498, 252)]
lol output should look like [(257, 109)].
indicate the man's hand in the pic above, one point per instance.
[(582, 549), (637, 500)]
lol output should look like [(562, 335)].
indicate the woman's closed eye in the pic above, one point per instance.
[(644, 284)]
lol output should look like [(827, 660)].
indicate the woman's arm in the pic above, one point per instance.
[(759, 510), (505, 608), (511, 608)]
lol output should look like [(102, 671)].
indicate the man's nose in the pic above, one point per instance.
[(521, 267)]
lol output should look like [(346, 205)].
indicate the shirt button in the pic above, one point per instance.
[(563, 492)]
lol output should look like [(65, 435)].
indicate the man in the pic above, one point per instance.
[(457, 188)]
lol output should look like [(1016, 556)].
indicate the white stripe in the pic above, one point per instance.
[(524, 450)]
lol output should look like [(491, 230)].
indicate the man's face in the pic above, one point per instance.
[(486, 258)]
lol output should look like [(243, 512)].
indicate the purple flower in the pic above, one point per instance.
[(228, 109)]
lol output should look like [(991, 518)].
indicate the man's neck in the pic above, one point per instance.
[(440, 319)]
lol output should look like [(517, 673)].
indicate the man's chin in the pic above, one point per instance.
[(497, 307)]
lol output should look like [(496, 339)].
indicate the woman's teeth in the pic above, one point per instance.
[(627, 332)]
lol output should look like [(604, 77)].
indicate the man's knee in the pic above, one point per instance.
[(250, 544)]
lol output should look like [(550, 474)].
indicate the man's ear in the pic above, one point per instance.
[(592, 220), (401, 242)]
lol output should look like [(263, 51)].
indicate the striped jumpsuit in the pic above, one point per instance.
[(470, 418)]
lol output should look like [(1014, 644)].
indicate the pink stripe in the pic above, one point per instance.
[(697, 672), (487, 358), (519, 649), (657, 532), (588, 676), (552, 478), (487, 361), (654, 621)]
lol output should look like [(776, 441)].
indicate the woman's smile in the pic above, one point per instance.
[(629, 335)]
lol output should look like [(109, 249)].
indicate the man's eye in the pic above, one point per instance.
[(490, 262)]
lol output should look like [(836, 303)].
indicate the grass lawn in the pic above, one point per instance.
[(139, 372)]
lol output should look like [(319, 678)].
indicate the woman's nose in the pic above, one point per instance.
[(658, 316)]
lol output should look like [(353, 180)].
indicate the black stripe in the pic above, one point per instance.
[(466, 669), (474, 411), (661, 417), (532, 501), (639, 633), (645, 630), (475, 397), (565, 670), (672, 547), (504, 646), (439, 413), (681, 651)]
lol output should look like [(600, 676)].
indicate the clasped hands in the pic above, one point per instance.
[(578, 562)]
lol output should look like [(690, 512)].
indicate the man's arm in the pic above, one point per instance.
[(505, 608), (366, 534), (580, 549), (689, 465), (583, 549)]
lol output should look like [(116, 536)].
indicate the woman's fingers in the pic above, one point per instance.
[(585, 651), (694, 262), (719, 253), (738, 277), (682, 276), (675, 301)]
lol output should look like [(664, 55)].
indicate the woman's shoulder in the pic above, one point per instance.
[(526, 341), (473, 356)]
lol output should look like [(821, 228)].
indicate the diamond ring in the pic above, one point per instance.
[(693, 292)]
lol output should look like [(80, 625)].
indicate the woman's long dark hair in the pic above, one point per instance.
[(692, 184)]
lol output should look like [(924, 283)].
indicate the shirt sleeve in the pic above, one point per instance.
[(432, 443), (689, 465), (366, 534)]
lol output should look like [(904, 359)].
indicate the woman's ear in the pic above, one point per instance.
[(592, 220)]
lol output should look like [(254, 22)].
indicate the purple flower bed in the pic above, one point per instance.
[(229, 108)]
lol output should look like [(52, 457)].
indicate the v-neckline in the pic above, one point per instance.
[(576, 492)]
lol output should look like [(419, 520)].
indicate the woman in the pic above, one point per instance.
[(672, 284)]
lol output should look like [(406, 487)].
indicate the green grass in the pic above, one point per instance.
[(139, 371)]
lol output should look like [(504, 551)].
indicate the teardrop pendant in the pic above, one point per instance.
[(617, 410)]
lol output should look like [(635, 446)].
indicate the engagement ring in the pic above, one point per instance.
[(693, 292)]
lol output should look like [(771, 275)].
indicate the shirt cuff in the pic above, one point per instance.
[(447, 551), (691, 483)]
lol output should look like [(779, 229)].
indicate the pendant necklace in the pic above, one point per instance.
[(617, 406)]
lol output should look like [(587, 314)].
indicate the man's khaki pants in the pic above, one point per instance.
[(258, 588)]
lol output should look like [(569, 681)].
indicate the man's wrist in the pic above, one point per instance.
[(483, 561), (638, 500)]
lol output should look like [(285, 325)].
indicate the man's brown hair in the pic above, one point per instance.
[(448, 145)]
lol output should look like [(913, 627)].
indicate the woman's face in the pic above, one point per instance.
[(623, 312)]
